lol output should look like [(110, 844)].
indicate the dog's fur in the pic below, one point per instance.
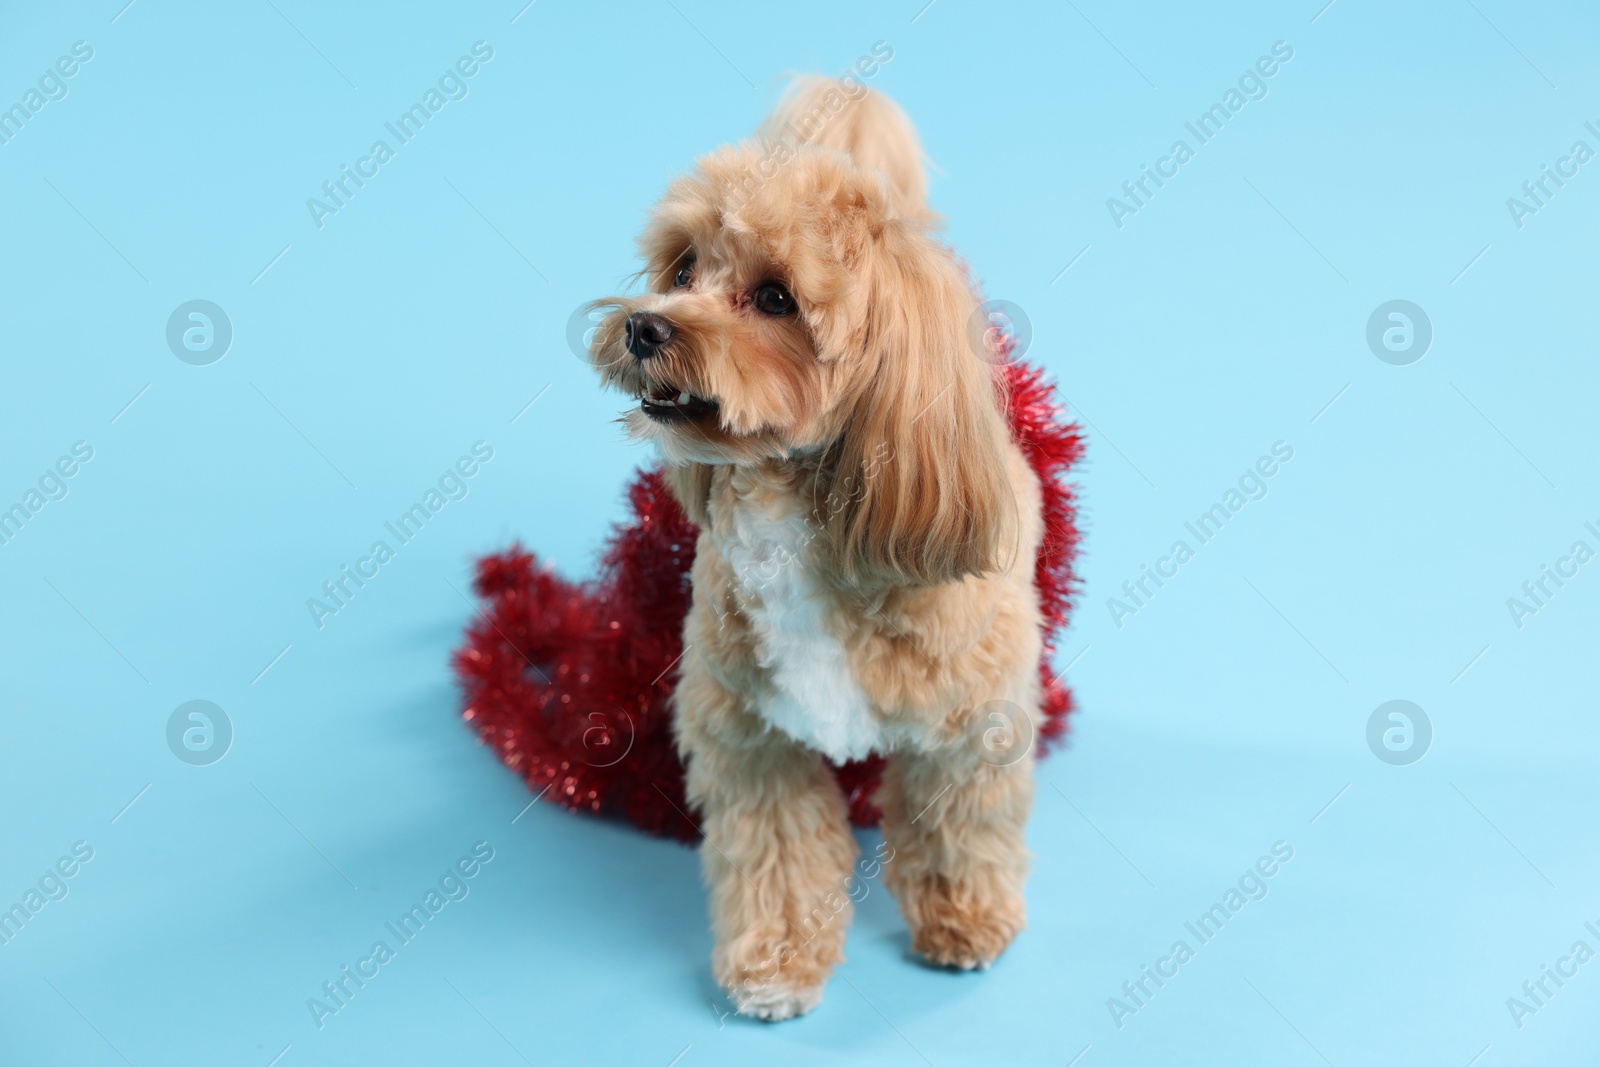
[(863, 581)]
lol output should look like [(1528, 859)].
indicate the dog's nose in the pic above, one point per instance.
[(646, 333)]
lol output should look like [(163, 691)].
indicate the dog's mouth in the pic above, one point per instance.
[(667, 402)]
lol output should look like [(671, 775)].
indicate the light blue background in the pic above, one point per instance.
[(1223, 317)]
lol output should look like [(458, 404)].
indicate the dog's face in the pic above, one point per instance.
[(791, 314), (742, 349)]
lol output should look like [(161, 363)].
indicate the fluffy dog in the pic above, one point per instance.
[(804, 359)]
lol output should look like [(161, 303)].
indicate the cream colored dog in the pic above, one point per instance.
[(863, 583)]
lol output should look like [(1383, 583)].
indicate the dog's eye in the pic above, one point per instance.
[(685, 275), (770, 298)]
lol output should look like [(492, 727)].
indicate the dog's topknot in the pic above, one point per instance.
[(865, 125)]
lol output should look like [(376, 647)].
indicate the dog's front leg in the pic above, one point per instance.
[(955, 824), (777, 852)]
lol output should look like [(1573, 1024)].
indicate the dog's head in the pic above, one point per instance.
[(799, 311)]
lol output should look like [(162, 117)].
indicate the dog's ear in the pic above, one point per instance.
[(919, 490), (691, 487)]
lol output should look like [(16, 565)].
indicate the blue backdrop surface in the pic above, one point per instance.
[(186, 485)]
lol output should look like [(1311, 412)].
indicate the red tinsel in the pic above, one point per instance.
[(569, 682)]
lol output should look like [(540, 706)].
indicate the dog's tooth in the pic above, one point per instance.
[(683, 398)]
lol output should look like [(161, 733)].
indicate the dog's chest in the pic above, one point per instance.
[(817, 699)]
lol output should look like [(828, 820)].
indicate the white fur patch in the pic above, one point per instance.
[(775, 1004), (818, 700)]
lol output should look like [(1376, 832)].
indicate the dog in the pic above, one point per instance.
[(805, 360)]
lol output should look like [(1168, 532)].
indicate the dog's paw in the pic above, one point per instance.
[(775, 1002), (965, 948), (775, 977), (963, 931)]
